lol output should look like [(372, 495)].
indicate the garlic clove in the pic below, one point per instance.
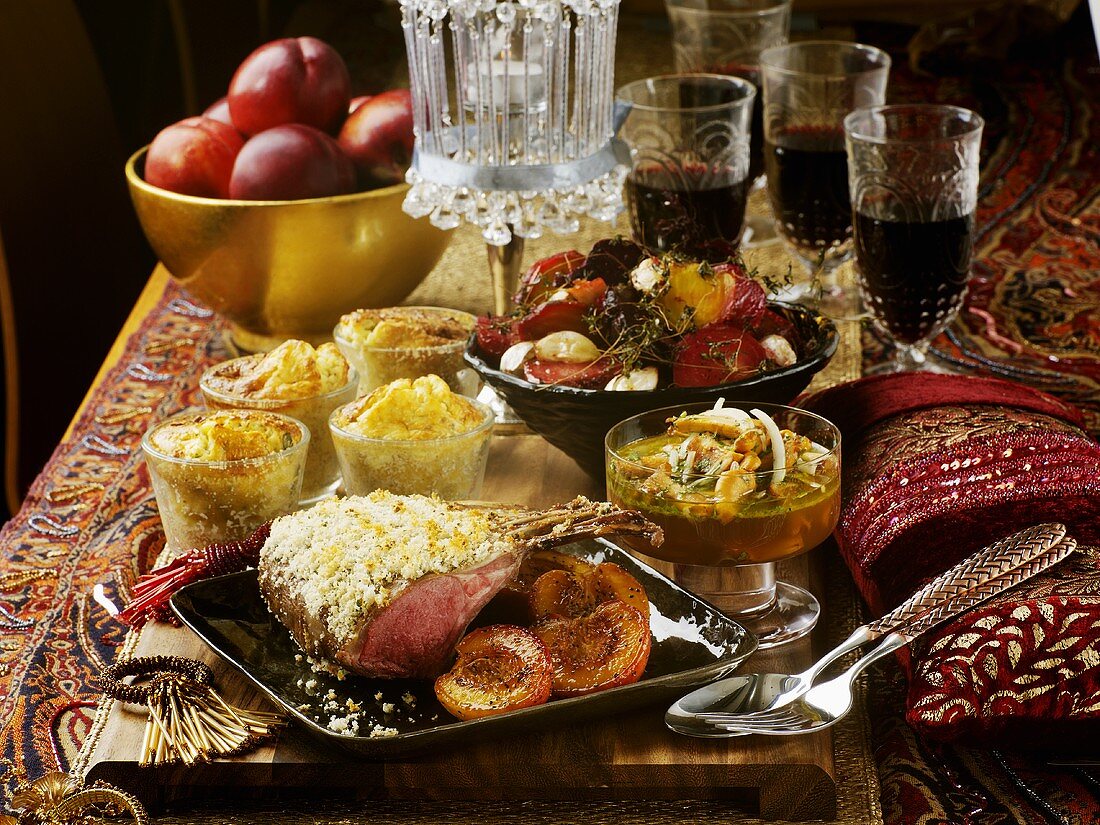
[(514, 357), (636, 381), (779, 349), (567, 346), (648, 275)]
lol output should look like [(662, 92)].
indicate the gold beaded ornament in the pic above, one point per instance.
[(58, 798)]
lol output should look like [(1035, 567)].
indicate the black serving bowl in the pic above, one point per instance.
[(576, 420)]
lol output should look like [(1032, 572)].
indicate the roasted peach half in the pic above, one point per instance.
[(499, 668)]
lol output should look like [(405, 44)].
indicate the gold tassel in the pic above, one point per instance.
[(188, 720)]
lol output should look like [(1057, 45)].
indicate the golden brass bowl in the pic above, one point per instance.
[(287, 269)]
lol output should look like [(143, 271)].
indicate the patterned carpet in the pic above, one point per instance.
[(1033, 314)]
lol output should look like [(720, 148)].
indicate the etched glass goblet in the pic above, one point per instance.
[(727, 37), (808, 89), (913, 177), (689, 143)]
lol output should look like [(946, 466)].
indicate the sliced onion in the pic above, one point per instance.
[(721, 402), (733, 414), (687, 466), (779, 451), (814, 456)]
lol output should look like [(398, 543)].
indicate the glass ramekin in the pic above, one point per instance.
[(378, 366), (452, 468), (203, 502), (322, 473)]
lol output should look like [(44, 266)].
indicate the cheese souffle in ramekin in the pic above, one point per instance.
[(407, 342), (296, 380), (413, 437), (219, 475)]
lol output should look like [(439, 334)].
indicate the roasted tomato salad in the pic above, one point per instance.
[(620, 318), (572, 627)]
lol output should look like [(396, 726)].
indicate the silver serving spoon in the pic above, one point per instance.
[(979, 577)]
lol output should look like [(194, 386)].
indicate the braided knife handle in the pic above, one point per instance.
[(987, 565), (989, 589)]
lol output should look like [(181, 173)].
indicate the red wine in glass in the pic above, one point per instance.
[(913, 275), (685, 210), (808, 184), (756, 136)]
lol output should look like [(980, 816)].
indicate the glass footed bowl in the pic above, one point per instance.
[(723, 539)]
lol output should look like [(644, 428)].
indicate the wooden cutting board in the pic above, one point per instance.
[(628, 756)]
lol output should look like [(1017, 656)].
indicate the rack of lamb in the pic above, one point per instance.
[(385, 585)]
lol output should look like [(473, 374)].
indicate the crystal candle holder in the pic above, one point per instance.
[(513, 107)]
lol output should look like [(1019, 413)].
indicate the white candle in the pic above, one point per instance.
[(524, 91)]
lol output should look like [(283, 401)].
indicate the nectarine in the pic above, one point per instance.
[(290, 162), (292, 80), (194, 157), (356, 102), (378, 137), (219, 110)]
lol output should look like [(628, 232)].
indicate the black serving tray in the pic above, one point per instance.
[(693, 643)]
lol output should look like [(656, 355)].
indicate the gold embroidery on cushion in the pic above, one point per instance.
[(911, 435), (1065, 642), (989, 665), (966, 639), (940, 644), (1015, 651)]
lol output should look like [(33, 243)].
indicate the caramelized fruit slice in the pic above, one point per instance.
[(577, 592), (560, 593), (500, 668), (605, 649), (543, 561), (512, 605), (609, 581)]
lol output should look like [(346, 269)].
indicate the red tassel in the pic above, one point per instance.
[(149, 600)]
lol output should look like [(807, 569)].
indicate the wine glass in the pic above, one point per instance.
[(913, 176), (689, 144), (808, 89), (726, 37), (723, 544)]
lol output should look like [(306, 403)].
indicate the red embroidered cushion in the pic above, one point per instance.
[(936, 467)]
